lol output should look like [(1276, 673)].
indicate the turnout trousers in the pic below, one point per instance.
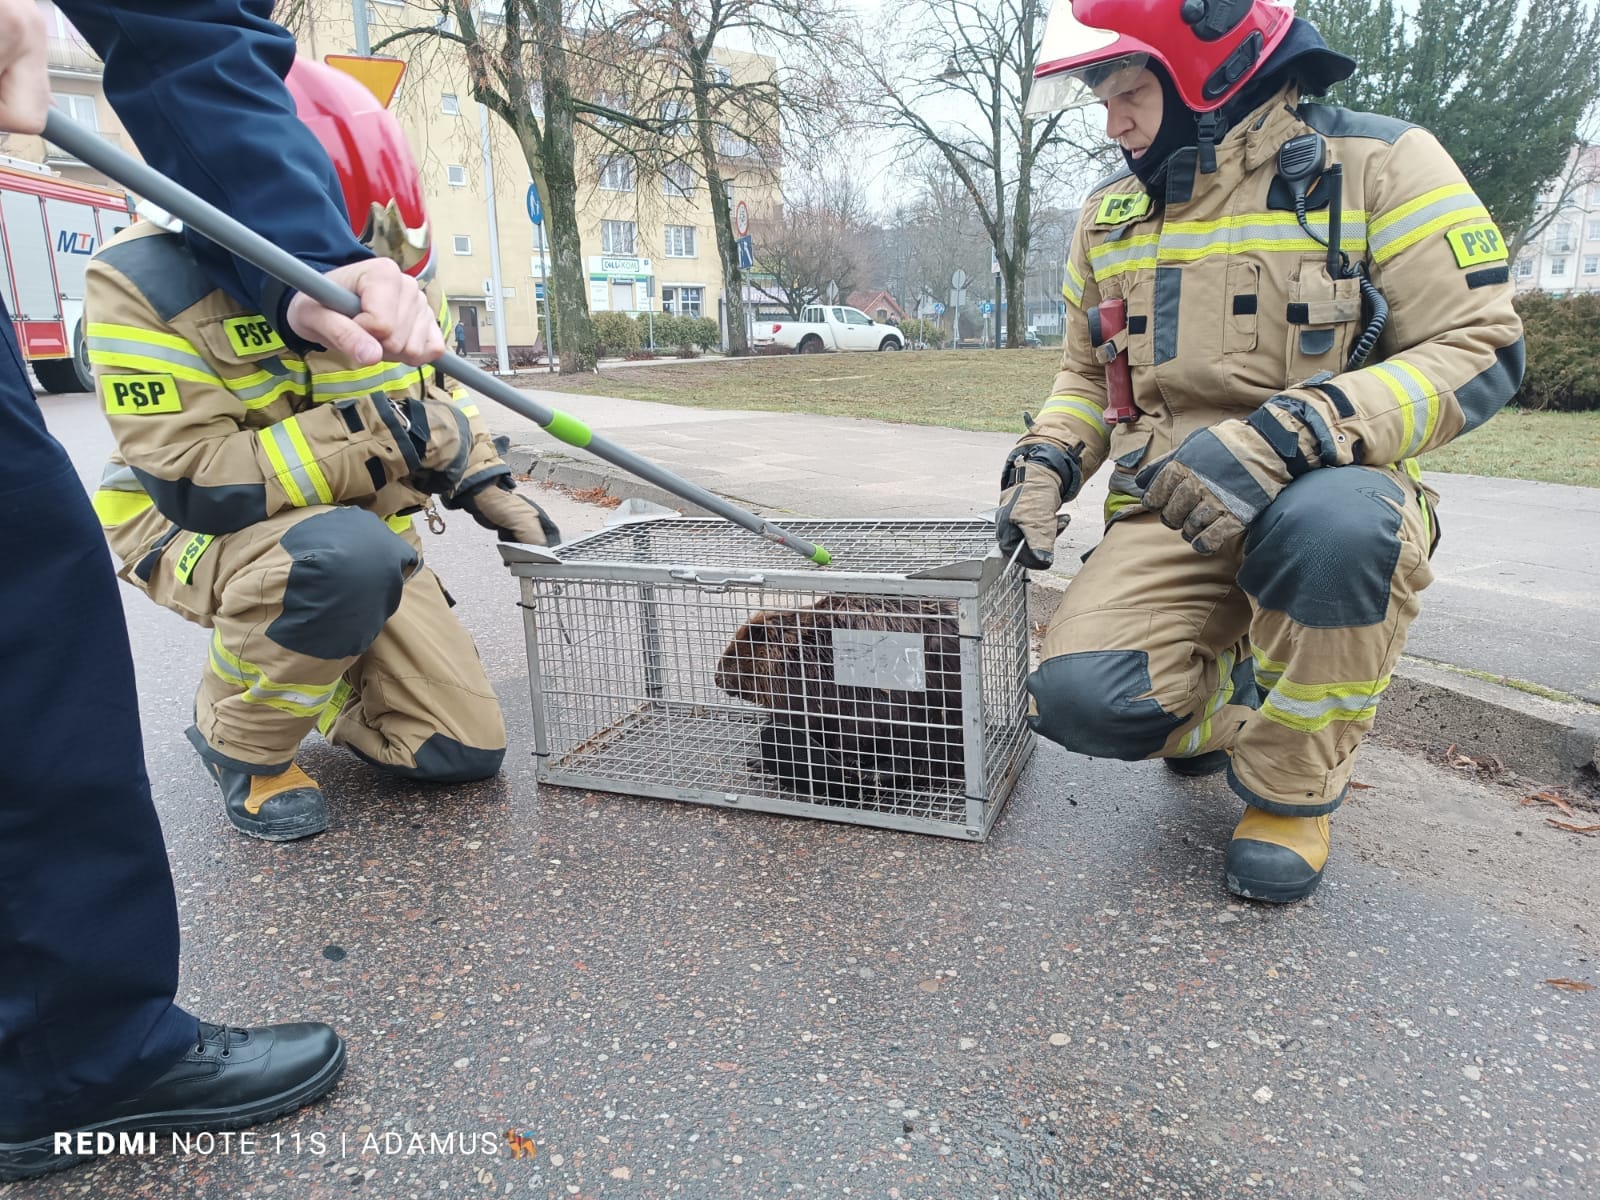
[(88, 921), (1278, 653), (325, 617)]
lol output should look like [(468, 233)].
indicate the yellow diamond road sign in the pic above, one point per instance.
[(380, 76)]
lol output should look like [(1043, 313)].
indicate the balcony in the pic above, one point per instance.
[(70, 57), (55, 156)]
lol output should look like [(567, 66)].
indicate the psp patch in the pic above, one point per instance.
[(183, 570), (140, 395), (252, 335), (1121, 207), (1474, 245)]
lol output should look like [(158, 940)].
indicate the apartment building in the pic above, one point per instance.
[(647, 237), (1565, 256)]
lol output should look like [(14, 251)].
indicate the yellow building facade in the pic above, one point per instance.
[(647, 237)]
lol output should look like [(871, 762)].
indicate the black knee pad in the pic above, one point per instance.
[(1325, 551), (348, 572), (1098, 702)]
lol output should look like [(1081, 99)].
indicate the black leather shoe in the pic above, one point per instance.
[(230, 1078), (1211, 763)]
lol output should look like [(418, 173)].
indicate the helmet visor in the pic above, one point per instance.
[(1076, 87)]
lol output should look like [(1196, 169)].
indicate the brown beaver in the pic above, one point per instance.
[(845, 741)]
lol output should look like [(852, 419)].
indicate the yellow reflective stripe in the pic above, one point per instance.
[(134, 333), (1311, 707), (334, 706), (1201, 733), (1267, 671), (1414, 469), (296, 699), (1072, 285), (308, 461), (398, 523), (294, 464), (1413, 392), (1432, 212), (1086, 411), (114, 507), (146, 364)]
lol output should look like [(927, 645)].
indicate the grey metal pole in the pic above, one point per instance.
[(502, 351), (358, 9), (228, 233), (549, 302)]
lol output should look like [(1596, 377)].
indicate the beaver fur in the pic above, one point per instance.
[(842, 742)]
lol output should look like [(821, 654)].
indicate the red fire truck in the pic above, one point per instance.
[(49, 227)]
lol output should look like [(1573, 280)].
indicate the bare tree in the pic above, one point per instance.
[(820, 235), (955, 76), (1561, 195), (735, 109)]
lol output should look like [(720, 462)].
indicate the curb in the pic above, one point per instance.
[(1432, 703)]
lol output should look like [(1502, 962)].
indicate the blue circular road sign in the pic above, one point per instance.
[(535, 208)]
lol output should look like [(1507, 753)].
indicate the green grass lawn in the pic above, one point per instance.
[(990, 390)]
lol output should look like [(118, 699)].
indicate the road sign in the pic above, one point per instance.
[(380, 76), (958, 280), (986, 307), (833, 291), (538, 291), (938, 309), (994, 263), (535, 205), (747, 254), (741, 218)]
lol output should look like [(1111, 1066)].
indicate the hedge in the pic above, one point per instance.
[(617, 333), (1563, 336)]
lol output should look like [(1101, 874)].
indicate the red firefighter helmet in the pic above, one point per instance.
[(1210, 48), (372, 157)]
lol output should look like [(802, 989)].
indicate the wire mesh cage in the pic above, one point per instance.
[(886, 689)]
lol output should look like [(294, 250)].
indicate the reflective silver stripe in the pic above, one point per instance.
[(1109, 259), (278, 439), (1416, 404), (281, 381), (1072, 284), (1263, 235), (310, 695), (1313, 709), (352, 383), (1390, 237), (100, 345), (119, 477)]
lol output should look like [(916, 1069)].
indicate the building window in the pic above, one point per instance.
[(617, 102), (1558, 266), (456, 174), (1561, 235), (683, 301), (618, 237), (1525, 268), (463, 244), (674, 117), (679, 241), (677, 181), (1591, 264), (616, 173), (727, 190), (449, 105), (80, 109), (1594, 230)]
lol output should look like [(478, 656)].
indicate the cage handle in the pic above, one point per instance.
[(717, 583)]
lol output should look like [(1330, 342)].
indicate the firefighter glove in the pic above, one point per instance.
[(435, 438), (1219, 480), (514, 518), (1038, 479)]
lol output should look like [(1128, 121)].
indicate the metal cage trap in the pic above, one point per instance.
[(885, 690)]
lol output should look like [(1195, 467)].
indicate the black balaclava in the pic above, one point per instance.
[(1302, 55)]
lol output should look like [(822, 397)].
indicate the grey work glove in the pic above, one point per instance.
[(1219, 480), (514, 518), (1038, 479)]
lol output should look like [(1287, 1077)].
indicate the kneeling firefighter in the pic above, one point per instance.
[(1271, 313), (265, 491)]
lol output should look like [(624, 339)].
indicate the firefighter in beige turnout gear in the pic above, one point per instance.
[(268, 494), (1261, 640)]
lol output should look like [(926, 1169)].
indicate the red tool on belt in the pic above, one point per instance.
[(1112, 319)]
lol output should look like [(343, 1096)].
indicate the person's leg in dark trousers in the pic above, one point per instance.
[(88, 920)]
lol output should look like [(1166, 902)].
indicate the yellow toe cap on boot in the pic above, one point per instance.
[(1276, 859)]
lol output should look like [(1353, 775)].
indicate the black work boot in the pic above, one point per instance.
[(1211, 763), (1275, 858), (274, 808), (230, 1078)]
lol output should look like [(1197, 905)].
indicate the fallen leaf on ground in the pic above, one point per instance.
[(1589, 830), (1550, 798), (1571, 985), (1361, 787)]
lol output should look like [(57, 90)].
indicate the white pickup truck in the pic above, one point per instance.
[(826, 327)]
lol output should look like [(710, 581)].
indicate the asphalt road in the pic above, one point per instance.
[(671, 1000)]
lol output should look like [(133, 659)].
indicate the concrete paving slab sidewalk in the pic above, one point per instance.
[(1505, 658)]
